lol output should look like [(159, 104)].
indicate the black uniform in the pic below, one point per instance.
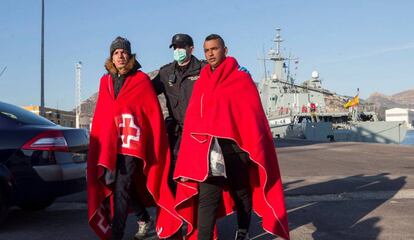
[(176, 83)]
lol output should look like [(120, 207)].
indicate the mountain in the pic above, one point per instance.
[(405, 98), (379, 99), (377, 102), (88, 106), (382, 102)]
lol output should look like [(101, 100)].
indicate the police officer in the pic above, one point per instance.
[(176, 80)]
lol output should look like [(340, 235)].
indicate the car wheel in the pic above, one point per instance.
[(38, 205), (4, 204)]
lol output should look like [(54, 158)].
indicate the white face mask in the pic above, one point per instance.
[(180, 55)]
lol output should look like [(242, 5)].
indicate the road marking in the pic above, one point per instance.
[(348, 178), (348, 196)]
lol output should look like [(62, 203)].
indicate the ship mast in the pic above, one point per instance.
[(278, 40), (280, 82), (277, 57)]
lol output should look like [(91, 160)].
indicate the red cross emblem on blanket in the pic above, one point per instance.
[(129, 131)]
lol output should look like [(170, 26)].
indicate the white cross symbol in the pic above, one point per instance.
[(129, 131)]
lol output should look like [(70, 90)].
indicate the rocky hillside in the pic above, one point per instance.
[(406, 98), (88, 106), (376, 102), (382, 100), (400, 100)]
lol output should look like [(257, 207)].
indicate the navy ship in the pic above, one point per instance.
[(301, 110)]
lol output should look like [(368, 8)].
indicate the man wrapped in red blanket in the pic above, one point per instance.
[(128, 158), (227, 160)]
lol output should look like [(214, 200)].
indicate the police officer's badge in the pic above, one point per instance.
[(193, 78)]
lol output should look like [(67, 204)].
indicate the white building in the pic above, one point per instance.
[(400, 114)]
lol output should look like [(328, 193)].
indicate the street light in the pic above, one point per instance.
[(42, 81)]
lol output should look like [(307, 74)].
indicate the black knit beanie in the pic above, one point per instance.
[(120, 43)]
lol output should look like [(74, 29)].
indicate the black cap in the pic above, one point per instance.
[(181, 40), (120, 43)]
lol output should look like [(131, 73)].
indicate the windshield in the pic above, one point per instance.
[(21, 115)]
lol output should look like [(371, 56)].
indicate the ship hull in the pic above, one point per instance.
[(375, 132)]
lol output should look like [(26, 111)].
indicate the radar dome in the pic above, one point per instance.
[(315, 74)]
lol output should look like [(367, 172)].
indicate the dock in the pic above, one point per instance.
[(343, 190), (334, 191)]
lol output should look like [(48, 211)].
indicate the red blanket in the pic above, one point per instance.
[(131, 124), (225, 104)]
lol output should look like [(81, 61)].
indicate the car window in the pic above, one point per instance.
[(21, 115)]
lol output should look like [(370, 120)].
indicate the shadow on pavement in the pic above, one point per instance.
[(328, 217), (341, 218)]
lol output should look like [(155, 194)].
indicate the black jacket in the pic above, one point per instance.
[(177, 85)]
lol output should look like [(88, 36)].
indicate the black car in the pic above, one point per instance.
[(39, 160)]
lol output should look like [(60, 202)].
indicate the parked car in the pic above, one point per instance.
[(39, 160)]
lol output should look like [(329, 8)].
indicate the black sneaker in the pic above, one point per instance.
[(143, 229), (241, 234), (176, 236)]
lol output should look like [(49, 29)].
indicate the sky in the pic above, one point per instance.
[(365, 44)]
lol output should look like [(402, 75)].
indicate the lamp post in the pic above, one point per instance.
[(42, 81)]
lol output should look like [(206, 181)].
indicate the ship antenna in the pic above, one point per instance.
[(288, 71), (264, 64), (278, 40), (4, 69)]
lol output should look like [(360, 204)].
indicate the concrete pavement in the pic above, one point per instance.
[(333, 191), (348, 190)]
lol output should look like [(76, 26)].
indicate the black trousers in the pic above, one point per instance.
[(210, 193), (174, 138), (123, 196)]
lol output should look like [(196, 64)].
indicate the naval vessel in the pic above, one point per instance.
[(301, 110)]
